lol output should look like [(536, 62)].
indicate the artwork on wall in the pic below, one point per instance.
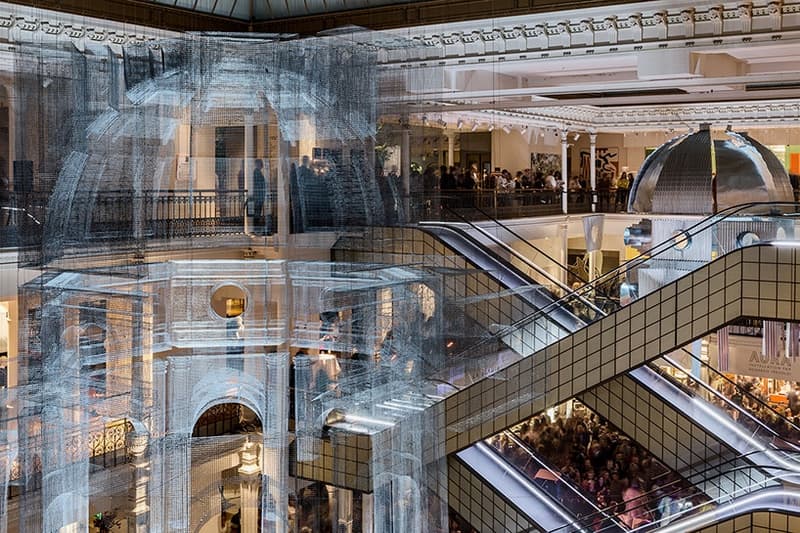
[(546, 164), (606, 163)]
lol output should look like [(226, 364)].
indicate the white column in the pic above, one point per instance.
[(305, 443), (564, 177), (138, 492), (451, 149), (248, 164), (249, 487), (12, 134), (274, 463), (367, 510), (344, 510), (563, 254), (156, 490), (6, 458), (284, 190), (593, 168), (405, 173), (405, 159), (177, 449)]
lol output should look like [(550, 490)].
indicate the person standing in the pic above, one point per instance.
[(793, 398), (623, 183), (259, 195)]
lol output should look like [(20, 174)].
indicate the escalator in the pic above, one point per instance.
[(578, 346), (729, 433)]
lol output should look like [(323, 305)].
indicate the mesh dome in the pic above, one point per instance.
[(676, 178)]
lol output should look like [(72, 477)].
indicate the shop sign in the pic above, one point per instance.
[(747, 361)]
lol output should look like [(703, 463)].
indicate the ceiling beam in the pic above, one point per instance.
[(423, 12), (141, 13), (598, 87), (607, 101)]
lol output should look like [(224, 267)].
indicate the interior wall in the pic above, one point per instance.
[(513, 150)]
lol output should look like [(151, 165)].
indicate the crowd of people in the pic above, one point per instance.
[(603, 466), (612, 190), (747, 393)]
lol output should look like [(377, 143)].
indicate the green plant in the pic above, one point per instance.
[(105, 522)]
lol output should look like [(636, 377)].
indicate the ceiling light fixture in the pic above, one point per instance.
[(460, 124), (507, 128), (474, 126), (491, 127), (576, 136), (523, 130)]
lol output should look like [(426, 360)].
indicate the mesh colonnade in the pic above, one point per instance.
[(124, 364), (166, 393)]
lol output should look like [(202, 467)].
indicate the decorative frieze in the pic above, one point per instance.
[(609, 26), (749, 114)]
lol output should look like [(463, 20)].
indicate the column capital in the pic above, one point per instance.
[(593, 138), (564, 133)]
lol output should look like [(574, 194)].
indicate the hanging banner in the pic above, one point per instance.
[(749, 361), (593, 232)]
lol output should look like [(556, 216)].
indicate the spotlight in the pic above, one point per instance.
[(442, 123), (507, 128), (576, 136), (424, 120), (460, 124), (491, 126), (729, 129), (523, 130), (474, 126)]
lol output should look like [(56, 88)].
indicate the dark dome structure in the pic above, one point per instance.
[(677, 177)]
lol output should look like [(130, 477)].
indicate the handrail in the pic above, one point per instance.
[(512, 232), (521, 257), (633, 263), (575, 490), (730, 402), (646, 497)]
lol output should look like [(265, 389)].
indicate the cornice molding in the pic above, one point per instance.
[(651, 24), (764, 113), (135, 12), (21, 24)]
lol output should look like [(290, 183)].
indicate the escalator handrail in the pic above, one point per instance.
[(564, 302), (730, 402), (689, 232), (515, 234), (566, 288), (783, 499), (524, 446), (717, 469), (653, 366)]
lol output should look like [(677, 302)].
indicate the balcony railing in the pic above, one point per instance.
[(477, 204), (113, 215)]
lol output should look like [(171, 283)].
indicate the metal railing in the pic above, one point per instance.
[(125, 214), (478, 204)]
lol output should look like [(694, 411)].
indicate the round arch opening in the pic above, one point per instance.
[(226, 419)]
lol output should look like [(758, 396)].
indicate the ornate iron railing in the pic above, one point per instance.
[(111, 215)]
